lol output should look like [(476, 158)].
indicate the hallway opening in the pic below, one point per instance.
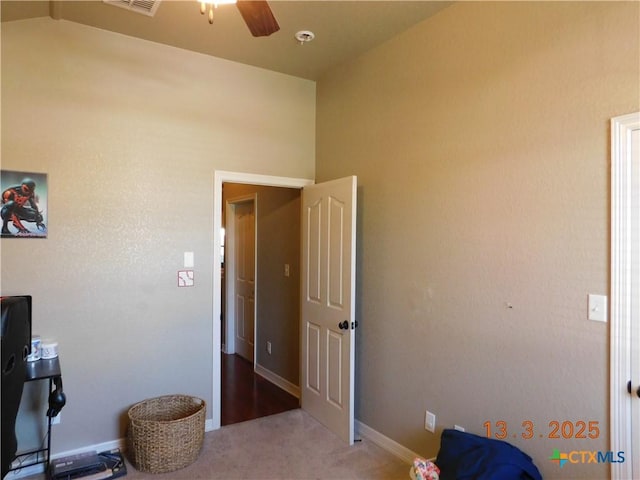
[(247, 395)]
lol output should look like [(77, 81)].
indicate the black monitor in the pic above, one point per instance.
[(15, 347), (16, 306)]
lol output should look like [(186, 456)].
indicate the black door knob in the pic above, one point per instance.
[(629, 388), (343, 325)]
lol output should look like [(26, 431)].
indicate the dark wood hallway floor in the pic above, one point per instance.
[(246, 395)]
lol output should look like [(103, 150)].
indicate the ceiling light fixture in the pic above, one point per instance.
[(213, 4), (304, 36)]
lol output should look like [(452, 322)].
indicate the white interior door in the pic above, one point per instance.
[(625, 295), (244, 281), (634, 341), (328, 304)]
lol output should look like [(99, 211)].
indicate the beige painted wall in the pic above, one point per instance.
[(130, 134), (277, 296), (480, 140)]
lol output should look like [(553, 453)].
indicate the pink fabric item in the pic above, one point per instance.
[(424, 470)]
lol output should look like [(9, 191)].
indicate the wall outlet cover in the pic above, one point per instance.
[(430, 421)]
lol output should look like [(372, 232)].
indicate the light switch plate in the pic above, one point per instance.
[(597, 306), (188, 260)]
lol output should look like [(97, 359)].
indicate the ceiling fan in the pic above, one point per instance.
[(256, 14)]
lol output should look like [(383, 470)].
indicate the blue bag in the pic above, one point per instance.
[(465, 456)]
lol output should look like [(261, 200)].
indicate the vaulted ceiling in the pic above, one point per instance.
[(343, 29)]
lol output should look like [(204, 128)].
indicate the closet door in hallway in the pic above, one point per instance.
[(245, 280)]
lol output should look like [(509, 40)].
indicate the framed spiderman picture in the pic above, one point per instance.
[(24, 204)]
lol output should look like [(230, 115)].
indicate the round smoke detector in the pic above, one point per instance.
[(304, 36)]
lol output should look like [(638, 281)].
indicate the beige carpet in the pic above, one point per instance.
[(289, 445)]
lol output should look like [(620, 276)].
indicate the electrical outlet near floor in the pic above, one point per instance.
[(459, 428), (430, 421), (269, 348)]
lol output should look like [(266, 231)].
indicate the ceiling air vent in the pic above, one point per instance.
[(146, 7)]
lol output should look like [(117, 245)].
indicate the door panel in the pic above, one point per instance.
[(336, 266), (334, 370), (328, 306), (313, 216), (313, 358)]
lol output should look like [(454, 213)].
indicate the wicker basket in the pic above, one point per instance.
[(165, 433)]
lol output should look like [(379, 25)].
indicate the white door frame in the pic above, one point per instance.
[(230, 271), (622, 273), (220, 177)]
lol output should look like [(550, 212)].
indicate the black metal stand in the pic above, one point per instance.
[(46, 369)]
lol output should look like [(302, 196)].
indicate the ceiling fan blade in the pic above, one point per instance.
[(258, 17)]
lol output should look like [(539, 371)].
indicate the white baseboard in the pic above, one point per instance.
[(276, 379), (208, 425), (384, 442), (39, 468)]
